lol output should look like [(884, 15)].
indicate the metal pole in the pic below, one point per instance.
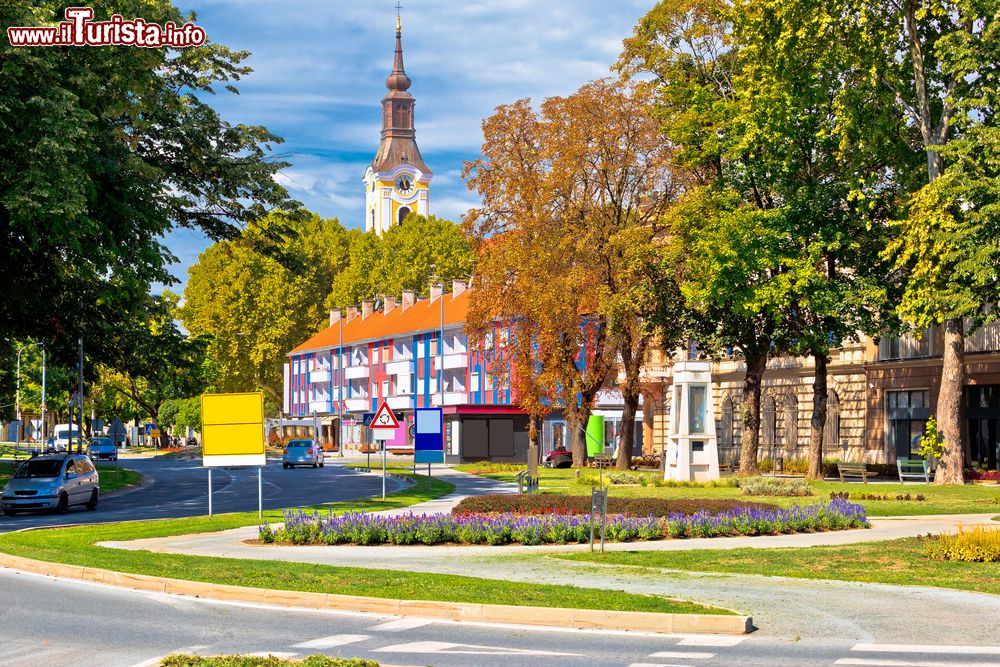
[(44, 441), (260, 493), (79, 439), (383, 470), (428, 475), (209, 492), (340, 392), (17, 399)]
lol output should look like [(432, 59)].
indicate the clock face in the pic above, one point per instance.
[(404, 184)]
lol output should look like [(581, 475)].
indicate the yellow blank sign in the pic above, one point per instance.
[(232, 429)]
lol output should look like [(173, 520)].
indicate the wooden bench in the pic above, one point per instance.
[(853, 470), (913, 469)]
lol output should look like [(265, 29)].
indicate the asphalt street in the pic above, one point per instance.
[(81, 624), (177, 488)]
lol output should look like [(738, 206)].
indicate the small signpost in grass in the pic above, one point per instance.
[(428, 438), (232, 428), (384, 425)]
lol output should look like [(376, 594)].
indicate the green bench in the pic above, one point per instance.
[(853, 470), (918, 469)]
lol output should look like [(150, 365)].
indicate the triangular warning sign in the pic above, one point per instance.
[(384, 418)]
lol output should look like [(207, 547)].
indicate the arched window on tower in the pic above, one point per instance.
[(373, 218), (403, 212)]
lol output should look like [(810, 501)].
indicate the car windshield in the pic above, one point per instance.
[(299, 443), (101, 442), (33, 469)]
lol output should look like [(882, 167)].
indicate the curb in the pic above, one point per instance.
[(597, 619)]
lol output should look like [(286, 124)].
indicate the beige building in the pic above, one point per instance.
[(881, 393)]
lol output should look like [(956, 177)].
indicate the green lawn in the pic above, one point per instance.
[(77, 546), (901, 562), (968, 499), (109, 482)]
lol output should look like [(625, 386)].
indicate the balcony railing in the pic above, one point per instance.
[(400, 402), (357, 372), (319, 376), (451, 398), (358, 404), (452, 361), (402, 367)]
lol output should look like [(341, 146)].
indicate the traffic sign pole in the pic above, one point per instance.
[(383, 469)]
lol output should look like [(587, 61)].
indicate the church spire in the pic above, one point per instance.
[(397, 79)]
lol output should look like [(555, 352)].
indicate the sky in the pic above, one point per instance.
[(320, 69)]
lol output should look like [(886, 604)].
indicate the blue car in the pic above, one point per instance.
[(302, 453)]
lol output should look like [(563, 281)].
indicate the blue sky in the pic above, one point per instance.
[(320, 69)]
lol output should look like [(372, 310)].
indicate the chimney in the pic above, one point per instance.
[(437, 289), (390, 304), (367, 308), (352, 312), (457, 287), (334, 316), (409, 298)]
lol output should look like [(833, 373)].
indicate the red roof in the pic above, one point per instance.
[(424, 315)]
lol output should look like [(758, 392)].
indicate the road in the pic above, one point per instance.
[(81, 624), (177, 488)]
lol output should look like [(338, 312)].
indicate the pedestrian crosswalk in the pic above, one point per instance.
[(921, 655)]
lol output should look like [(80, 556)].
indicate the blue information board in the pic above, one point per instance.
[(366, 418), (428, 438)]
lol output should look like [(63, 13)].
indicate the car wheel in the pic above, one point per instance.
[(9, 512), (285, 466), (315, 465), (321, 464), (63, 505), (94, 497)]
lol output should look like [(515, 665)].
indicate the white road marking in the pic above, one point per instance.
[(464, 649), (402, 624), (280, 655), (656, 664), (935, 648), (692, 655), (878, 662), (719, 641), (332, 641)]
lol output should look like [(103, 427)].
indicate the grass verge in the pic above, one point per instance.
[(967, 499), (901, 562), (77, 546)]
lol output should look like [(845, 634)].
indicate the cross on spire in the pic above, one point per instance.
[(398, 7)]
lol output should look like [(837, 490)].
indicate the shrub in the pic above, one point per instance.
[(844, 495), (485, 468), (570, 505), (980, 544), (984, 475), (774, 486)]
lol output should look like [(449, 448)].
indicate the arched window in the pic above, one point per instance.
[(726, 430), (403, 212), (373, 218), (789, 424), (767, 422)]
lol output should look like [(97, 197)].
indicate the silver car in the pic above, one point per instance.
[(52, 482), (102, 448), (302, 453)]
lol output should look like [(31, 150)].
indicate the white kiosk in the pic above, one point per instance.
[(692, 447)]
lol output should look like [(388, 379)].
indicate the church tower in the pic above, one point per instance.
[(397, 182)]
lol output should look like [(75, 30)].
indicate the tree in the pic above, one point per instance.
[(102, 151), (404, 258), (836, 193), (253, 308)]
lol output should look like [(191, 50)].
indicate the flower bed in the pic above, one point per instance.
[(366, 529), (570, 505)]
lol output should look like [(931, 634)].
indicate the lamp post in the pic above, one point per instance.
[(17, 400)]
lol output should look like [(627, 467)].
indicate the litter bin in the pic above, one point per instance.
[(779, 464)]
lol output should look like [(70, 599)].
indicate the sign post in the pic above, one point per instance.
[(232, 434), (428, 438), (384, 425)]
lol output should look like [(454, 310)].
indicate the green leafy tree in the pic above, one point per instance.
[(102, 152), (253, 308), (404, 258)]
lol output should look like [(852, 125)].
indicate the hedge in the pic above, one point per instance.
[(569, 505)]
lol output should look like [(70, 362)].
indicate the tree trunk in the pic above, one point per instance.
[(627, 439), (751, 416), (949, 406), (818, 422), (577, 445)]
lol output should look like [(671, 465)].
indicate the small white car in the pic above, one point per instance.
[(302, 453), (52, 482)]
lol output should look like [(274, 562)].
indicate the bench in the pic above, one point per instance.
[(853, 470), (913, 469)]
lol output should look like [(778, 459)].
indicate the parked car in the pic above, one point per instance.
[(559, 458), (302, 453), (52, 482), (102, 448), (191, 442)]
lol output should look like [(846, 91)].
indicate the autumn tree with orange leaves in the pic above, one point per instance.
[(566, 247)]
